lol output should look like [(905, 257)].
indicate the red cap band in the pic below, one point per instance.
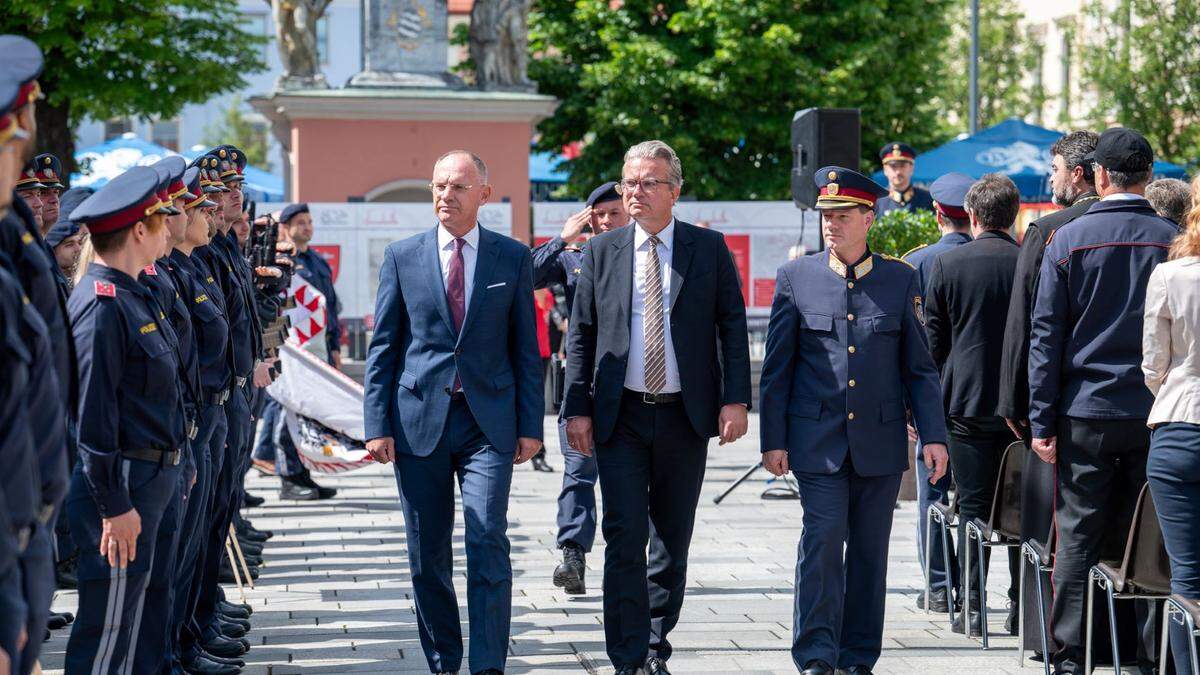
[(126, 217)]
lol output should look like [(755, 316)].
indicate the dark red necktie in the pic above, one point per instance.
[(456, 293)]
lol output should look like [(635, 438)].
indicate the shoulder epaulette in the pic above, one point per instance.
[(899, 260), (1051, 236), (913, 250)]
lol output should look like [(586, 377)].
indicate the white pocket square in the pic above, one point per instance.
[(502, 283)]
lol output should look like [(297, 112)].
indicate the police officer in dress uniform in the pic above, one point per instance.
[(845, 351), (66, 237), (1088, 402), (949, 193), (132, 431), (43, 284), (559, 261), (898, 162), (47, 169)]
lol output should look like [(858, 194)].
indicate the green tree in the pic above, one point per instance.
[(1009, 58), (238, 129), (129, 58), (719, 80), (1141, 65), (900, 231)]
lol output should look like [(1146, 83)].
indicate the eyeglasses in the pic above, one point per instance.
[(439, 188), (649, 185)]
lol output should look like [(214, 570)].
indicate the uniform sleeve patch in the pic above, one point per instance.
[(26, 238), (148, 328), (105, 289), (149, 270), (203, 297)]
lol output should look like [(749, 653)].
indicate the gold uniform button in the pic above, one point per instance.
[(851, 349), (850, 416), (852, 383), (849, 317), (849, 284)]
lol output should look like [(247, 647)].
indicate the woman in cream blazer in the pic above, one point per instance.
[(1171, 363)]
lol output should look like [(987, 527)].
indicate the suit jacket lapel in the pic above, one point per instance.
[(431, 266), (681, 259), (485, 262), (623, 255)]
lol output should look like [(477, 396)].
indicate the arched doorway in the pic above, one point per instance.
[(405, 190)]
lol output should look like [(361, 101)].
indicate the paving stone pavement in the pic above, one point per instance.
[(336, 595)]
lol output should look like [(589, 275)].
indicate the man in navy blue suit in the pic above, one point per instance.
[(454, 390)]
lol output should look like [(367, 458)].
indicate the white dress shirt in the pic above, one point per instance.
[(470, 252), (1171, 341), (635, 369), (1121, 197)]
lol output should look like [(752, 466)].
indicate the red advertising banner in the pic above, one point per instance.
[(764, 292), (739, 246), (332, 253)]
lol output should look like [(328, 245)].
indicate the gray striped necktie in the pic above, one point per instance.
[(652, 325)]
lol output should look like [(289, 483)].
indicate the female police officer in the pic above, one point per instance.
[(131, 426)]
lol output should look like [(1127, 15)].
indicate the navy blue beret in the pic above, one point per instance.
[(65, 227), (291, 211), (604, 193)]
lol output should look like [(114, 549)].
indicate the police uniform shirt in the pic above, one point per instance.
[(209, 325), (129, 391), (845, 350), (1086, 336), (313, 268), (158, 278), (912, 200), (245, 275), (19, 480), (215, 256)]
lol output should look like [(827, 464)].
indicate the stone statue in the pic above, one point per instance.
[(296, 35), (500, 44)]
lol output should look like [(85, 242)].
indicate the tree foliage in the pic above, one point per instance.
[(136, 58), (236, 128), (1009, 57), (1141, 62), (719, 80), (900, 231)]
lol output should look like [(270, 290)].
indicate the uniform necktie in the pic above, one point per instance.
[(652, 325)]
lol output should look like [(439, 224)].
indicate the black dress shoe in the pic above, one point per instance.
[(253, 501), (297, 493), (203, 666), (234, 607), (976, 623), (817, 667), (656, 666), (306, 480), (630, 670), (490, 671), (249, 532), (66, 573), (57, 621), (226, 647), (238, 621), (539, 462), (858, 670), (230, 630), (250, 547), (570, 572), (222, 660), (937, 601), (226, 574)]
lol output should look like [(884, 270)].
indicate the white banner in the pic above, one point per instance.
[(352, 238), (760, 235)]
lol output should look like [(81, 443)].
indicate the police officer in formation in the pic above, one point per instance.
[(949, 194), (845, 351), (899, 160), (559, 261)]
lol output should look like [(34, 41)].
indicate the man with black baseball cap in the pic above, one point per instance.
[(1088, 402)]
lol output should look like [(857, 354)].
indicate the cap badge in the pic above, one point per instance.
[(831, 189)]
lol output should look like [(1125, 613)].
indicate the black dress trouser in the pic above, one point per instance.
[(1101, 468), (976, 447)]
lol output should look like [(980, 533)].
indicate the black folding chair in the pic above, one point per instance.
[(1144, 574), (1041, 557), (1188, 612), (1002, 529), (946, 517)]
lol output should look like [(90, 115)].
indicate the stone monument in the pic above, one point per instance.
[(406, 45), (296, 38), (500, 44)]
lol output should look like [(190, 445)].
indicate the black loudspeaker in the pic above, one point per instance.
[(822, 137)]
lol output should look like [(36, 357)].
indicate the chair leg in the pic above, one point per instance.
[(983, 615), (966, 577), (949, 572), (1191, 631), (1163, 650), (1042, 617), (928, 549), (1112, 625), (1020, 613), (1087, 639)]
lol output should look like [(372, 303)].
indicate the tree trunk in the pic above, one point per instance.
[(55, 134)]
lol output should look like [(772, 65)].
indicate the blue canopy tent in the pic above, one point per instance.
[(544, 167), (100, 163), (1013, 147)]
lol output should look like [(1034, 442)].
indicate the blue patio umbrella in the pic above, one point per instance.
[(545, 167), (99, 163), (1013, 147)]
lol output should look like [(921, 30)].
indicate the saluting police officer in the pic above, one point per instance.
[(845, 350), (132, 428), (949, 193), (559, 261), (899, 160)]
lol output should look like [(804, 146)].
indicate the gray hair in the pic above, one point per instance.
[(1170, 197), (994, 201), (658, 150), (479, 165)]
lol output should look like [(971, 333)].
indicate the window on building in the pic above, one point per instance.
[(117, 126), (257, 23), (165, 133)]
